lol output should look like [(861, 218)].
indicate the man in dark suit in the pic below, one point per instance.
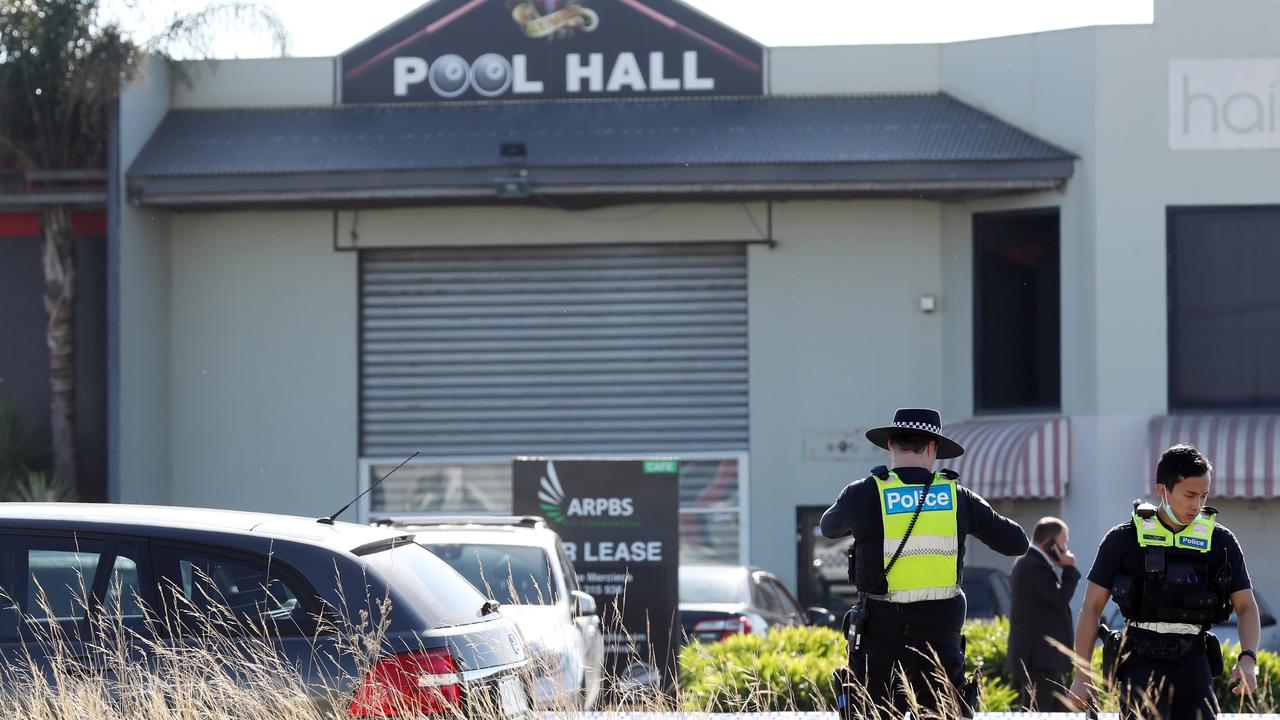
[(1044, 579)]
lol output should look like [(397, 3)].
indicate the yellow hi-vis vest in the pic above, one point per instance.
[(1196, 536), (926, 568)]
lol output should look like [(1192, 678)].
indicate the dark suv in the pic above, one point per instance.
[(292, 582)]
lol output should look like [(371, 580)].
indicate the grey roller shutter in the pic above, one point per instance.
[(509, 351)]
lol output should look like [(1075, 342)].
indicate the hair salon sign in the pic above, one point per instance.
[(532, 49), (1224, 103)]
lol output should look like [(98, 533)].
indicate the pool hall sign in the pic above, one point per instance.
[(457, 50)]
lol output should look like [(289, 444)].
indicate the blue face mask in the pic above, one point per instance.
[(1168, 512)]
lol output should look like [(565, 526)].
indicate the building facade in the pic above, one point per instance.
[(736, 256)]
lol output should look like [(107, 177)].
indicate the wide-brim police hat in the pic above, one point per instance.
[(917, 421)]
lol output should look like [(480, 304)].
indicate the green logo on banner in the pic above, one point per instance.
[(661, 466)]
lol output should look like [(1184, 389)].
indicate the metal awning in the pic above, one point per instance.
[(1244, 449), (1013, 458), (591, 151)]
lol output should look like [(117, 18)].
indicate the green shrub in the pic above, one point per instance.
[(1266, 699), (787, 669), (999, 696), (986, 641), (790, 669)]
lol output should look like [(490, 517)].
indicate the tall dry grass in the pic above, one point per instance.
[(215, 666)]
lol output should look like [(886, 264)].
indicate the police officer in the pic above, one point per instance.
[(909, 526), (1174, 571)]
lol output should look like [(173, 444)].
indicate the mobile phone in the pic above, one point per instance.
[(1052, 551)]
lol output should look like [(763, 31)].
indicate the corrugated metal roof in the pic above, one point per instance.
[(739, 131), (600, 151)]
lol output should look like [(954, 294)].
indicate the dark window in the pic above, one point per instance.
[(570, 573), (790, 607), (767, 597), (1224, 308), (45, 581), (1017, 317), (125, 588), (210, 592), (429, 583), (510, 574)]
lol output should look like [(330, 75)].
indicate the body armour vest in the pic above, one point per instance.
[(926, 568), (1176, 583)]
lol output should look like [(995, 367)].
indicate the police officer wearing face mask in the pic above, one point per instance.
[(1174, 571), (909, 526)]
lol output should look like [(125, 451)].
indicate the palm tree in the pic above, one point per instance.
[(61, 68)]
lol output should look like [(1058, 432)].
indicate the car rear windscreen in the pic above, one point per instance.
[(510, 574), (447, 597), (708, 585)]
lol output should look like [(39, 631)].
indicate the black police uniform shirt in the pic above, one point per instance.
[(857, 512), (1120, 554)]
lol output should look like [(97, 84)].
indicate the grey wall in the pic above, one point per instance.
[(263, 363), (254, 83), (1138, 177), (854, 69), (837, 342), (141, 465)]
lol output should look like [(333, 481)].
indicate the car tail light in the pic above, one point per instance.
[(725, 626), (413, 683)]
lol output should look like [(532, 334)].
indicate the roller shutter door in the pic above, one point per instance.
[(508, 351)]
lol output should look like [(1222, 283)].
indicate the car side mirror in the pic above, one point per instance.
[(583, 604), (821, 617), (1267, 620)]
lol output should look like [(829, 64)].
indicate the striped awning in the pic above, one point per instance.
[(1243, 449), (1013, 458)]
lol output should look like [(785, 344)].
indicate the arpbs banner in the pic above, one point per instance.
[(620, 523)]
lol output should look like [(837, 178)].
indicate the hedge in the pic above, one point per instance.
[(790, 669)]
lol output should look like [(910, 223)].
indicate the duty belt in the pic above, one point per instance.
[(1168, 628), (906, 631), (1164, 647)]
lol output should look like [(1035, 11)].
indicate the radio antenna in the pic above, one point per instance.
[(329, 520)]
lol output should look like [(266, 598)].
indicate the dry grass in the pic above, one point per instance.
[(216, 668)]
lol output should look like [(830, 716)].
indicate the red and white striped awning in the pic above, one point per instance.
[(1243, 449), (1013, 458)]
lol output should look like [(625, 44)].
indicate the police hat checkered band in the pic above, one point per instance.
[(918, 426)]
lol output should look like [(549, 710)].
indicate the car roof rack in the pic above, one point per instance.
[(401, 521)]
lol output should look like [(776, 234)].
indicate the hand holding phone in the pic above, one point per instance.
[(1061, 555), (1052, 551)]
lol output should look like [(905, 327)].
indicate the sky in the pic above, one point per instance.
[(323, 28)]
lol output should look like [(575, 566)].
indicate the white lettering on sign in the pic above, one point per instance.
[(1224, 103), (638, 551), (522, 85), (493, 75), (691, 79), (595, 507), (407, 71), (575, 72), (657, 78), (626, 74)]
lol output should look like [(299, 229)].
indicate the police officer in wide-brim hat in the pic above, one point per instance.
[(909, 525)]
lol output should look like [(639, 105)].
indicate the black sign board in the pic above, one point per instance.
[(532, 49), (619, 521)]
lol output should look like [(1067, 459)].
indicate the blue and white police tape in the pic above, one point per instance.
[(833, 716)]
